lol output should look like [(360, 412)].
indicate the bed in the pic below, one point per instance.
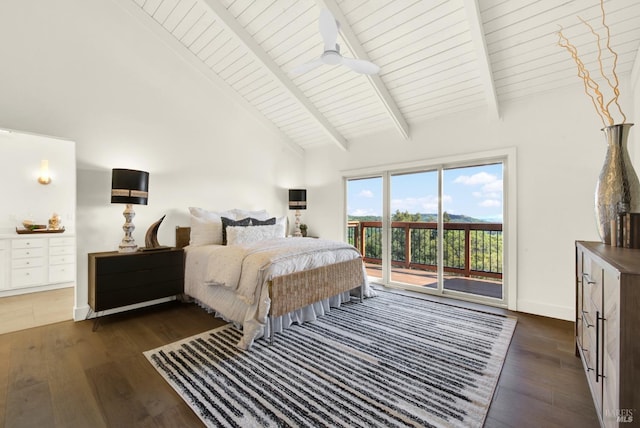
[(240, 266)]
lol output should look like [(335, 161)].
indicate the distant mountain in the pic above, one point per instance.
[(454, 218)]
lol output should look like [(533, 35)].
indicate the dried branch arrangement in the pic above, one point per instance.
[(591, 86)]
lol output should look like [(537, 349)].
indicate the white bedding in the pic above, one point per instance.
[(233, 280)]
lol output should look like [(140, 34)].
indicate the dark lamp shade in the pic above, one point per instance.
[(129, 186), (297, 199)]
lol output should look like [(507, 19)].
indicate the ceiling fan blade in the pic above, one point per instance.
[(303, 68), (328, 29), (361, 66)]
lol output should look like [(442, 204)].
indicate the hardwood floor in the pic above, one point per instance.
[(65, 375), (36, 309)]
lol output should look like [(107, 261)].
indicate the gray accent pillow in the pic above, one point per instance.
[(229, 222)]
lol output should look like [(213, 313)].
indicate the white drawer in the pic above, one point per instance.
[(27, 253), (27, 243), (28, 262), (58, 251), (4, 245), (27, 277), (62, 259), (60, 242), (62, 273)]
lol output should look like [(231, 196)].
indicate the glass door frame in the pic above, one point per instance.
[(508, 159)]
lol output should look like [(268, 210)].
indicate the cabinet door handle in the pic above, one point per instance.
[(597, 346), (599, 319), (587, 278)]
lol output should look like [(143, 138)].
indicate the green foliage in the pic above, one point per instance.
[(485, 246), (405, 216), (427, 218)]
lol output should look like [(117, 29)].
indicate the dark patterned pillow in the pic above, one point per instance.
[(229, 222), (267, 222)]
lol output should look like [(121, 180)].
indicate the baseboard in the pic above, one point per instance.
[(35, 289), (547, 310)]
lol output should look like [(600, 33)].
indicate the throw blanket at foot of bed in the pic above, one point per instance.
[(239, 279), (246, 268)]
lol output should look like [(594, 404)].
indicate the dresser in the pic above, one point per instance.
[(608, 329), (121, 279), (36, 263)]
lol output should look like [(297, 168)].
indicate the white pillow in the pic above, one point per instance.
[(201, 212), (258, 215), (248, 234), (206, 226)]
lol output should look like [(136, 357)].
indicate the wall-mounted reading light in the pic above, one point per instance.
[(44, 177)]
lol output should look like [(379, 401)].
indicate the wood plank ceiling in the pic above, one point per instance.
[(437, 57)]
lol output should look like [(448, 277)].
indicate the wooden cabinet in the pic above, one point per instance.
[(4, 264), (608, 329), (36, 263), (121, 279), (62, 260)]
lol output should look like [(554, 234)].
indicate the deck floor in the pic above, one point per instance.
[(476, 286)]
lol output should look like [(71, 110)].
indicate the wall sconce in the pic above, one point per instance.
[(44, 177)]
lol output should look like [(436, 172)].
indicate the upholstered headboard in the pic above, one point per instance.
[(183, 234)]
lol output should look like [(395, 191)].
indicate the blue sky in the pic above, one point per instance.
[(473, 191)]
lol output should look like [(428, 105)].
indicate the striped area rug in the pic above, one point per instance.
[(391, 361)]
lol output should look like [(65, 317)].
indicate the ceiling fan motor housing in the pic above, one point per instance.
[(332, 57)]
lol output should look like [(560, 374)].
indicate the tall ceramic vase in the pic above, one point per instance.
[(618, 188)]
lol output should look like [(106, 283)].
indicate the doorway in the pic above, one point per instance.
[(435, 229)]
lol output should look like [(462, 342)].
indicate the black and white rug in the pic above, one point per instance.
[(391, 361)]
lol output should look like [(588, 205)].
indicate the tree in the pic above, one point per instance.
[(405, 216)]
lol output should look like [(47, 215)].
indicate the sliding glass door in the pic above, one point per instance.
[(364, 222), (472, 236), (414, 226), (437, 230)]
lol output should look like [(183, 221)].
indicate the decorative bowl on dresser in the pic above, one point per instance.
[(608, 329)]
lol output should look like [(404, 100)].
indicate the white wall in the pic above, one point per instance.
[(86, 70), (24, 198), (560, 150)]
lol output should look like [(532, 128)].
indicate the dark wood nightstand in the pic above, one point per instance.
[(121, 279)]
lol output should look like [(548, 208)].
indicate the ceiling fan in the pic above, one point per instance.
[(331, 55)]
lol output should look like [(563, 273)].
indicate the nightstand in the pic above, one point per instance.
[(121, 279)]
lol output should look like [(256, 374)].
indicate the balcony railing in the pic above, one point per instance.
[(470, 249)]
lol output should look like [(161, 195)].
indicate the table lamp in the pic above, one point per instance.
[(297, 201), (129, 187)]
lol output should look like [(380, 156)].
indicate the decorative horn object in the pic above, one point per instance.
[(151, 237)]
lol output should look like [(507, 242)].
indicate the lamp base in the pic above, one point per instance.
[(128, 244), (297, 232)]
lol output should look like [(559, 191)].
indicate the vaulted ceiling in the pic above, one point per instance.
[(437, 57)]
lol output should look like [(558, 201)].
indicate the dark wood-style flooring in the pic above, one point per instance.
[(65, 375)]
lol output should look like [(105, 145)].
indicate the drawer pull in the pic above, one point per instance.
[(586, 319), (587, 278), (586, 351)]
